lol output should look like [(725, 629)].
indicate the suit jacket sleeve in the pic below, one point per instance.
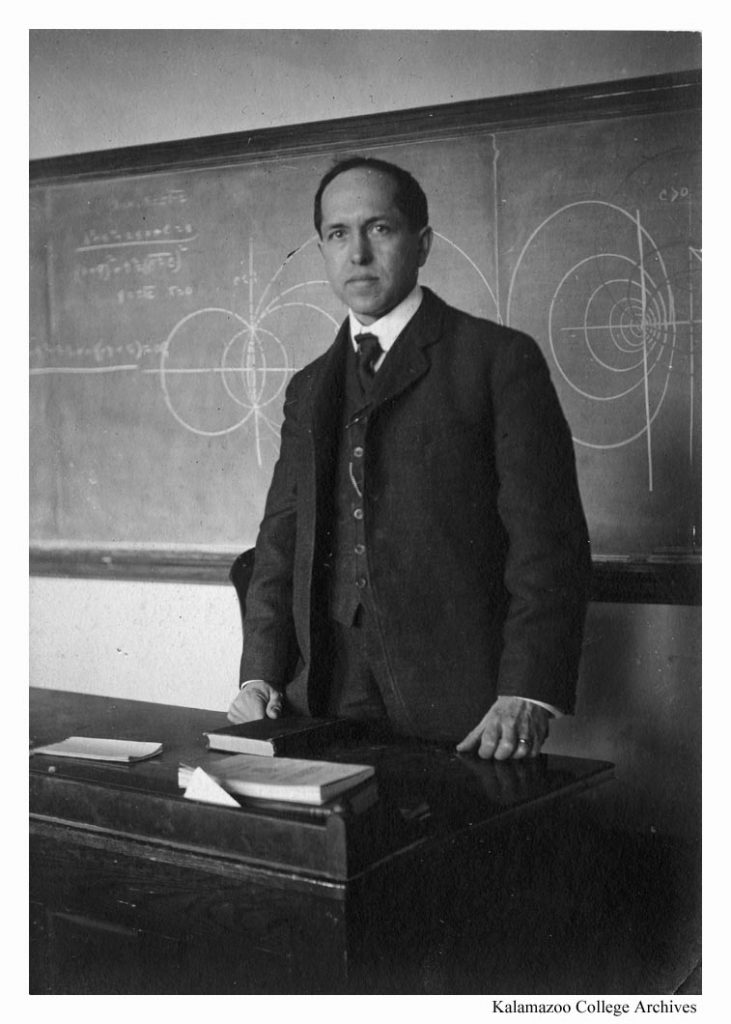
[(269, 636), (548, 565)]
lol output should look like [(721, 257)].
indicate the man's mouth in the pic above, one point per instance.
[(361, 280)]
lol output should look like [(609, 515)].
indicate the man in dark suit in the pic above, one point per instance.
[(423, 558)]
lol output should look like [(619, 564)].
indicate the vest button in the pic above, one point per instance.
[(359, 549), (358, 513), (358, 452), (361, 582)]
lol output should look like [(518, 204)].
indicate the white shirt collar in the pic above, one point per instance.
[(388, 327)]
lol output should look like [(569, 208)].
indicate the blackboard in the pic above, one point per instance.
[(175, 289)]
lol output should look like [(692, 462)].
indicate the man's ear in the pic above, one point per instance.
[(425, 240)]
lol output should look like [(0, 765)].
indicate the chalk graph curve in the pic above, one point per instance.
[(251, 357), (169, 371), (251, 362), (622, 324), (247, 359), (464, 255), (254, 367), (625, 325), (622, 340)]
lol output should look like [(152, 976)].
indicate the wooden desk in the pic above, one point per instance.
[(136, 890)]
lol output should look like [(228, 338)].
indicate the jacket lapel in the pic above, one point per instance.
[(328, 387), (409, 360), (405, 364)]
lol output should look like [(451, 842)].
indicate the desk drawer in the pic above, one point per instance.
[(111, 915)]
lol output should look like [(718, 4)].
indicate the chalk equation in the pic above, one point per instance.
[(95, 239), (112, 267)]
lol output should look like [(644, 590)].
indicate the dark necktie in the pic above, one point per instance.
[(369, 349)]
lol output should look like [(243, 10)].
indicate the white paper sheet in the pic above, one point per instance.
[(203, 787)]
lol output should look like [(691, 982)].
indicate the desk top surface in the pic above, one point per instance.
[(427, 792)]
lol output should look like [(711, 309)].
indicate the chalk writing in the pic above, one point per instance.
[(101, 354), (113, 238), (171, 197), (110, 267), (671, 195), (145, 293), (151, 292)]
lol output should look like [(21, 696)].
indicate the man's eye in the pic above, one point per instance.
[(381, 229), (335, 235)]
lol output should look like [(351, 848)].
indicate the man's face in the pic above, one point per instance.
[(372, 256)]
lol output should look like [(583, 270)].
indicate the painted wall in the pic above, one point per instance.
[(639, 700), (101, 89)]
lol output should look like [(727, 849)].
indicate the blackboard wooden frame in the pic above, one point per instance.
[(648, 580)]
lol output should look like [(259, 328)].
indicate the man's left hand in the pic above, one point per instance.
[(513, 727)]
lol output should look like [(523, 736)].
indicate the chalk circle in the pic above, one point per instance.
[(607, 313), (618, 327), (217, 370)]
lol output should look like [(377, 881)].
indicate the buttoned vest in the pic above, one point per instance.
[(348, 585)]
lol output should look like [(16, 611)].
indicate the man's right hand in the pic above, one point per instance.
[(255, 700)]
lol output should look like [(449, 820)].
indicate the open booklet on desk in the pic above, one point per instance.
[(90, 748)]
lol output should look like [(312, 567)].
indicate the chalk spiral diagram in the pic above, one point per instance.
[(610, 320)]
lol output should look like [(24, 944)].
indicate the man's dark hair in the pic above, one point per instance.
[(409, 197)]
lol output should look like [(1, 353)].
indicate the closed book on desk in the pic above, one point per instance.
[(286, 779), (280, 737)]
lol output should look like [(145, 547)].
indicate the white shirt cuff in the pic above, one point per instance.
[(556, 712)]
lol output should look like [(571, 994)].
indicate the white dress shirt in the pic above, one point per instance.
[(388, 328)]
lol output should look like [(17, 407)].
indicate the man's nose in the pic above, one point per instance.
[(360, 250)]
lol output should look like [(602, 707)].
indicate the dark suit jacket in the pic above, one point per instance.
[(478, 551)]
